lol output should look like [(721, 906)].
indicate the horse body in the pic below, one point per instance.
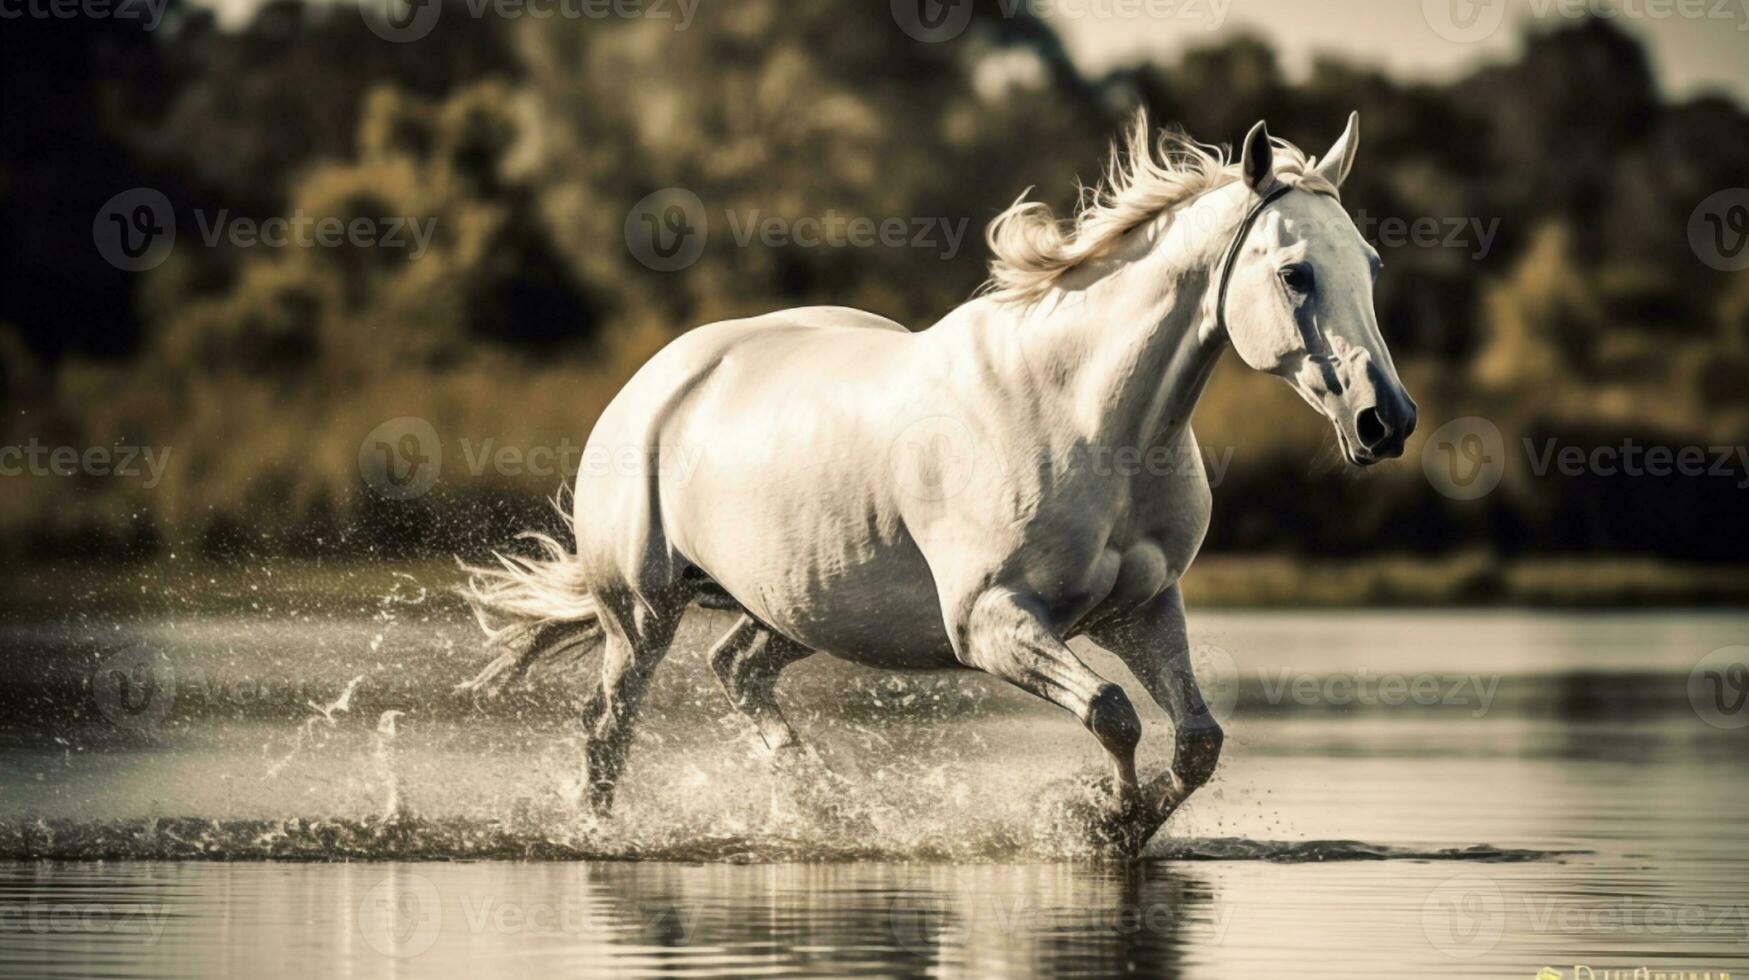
[(913, 471), (806, 544), (974, 494)]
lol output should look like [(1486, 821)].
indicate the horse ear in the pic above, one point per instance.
[(1340, 160), (1257, 162)]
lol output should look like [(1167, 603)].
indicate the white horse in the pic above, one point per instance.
[(959, 497)]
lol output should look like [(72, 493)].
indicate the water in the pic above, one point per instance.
[(1453, 794)]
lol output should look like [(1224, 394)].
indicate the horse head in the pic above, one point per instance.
[(1296, 299)]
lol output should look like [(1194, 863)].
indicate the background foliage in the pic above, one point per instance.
[(1589, 319)]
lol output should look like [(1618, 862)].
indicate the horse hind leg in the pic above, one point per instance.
[(747, 662), (638, 637)]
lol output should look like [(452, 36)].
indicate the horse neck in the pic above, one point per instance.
[(1134, 350)]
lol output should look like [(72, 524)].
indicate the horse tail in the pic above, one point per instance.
[(536, 612)]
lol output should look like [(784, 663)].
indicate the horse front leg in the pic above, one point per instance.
[(1154, 644), (1008, 635)]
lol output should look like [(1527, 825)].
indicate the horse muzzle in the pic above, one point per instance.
[(1382, 429)]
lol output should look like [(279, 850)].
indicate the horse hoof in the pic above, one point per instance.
[(1195, 758), (1099, 815), (1118, 833)]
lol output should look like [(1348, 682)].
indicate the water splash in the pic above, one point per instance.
[(383, 751), (308, 732), (900, 767), (417, 839)]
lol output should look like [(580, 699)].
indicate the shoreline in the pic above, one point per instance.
[(1214, 582)]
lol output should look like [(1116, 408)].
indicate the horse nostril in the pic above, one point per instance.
[(1371, 428)]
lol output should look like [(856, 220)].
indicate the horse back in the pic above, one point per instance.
[(650, 438)]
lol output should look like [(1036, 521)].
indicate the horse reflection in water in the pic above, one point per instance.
[(947, 498), (977, 920)]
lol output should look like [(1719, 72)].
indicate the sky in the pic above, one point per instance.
[(1696, 45)]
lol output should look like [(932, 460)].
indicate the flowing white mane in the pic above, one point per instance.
[(1032, 249)]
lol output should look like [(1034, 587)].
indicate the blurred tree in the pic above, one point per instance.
[(528, 145)]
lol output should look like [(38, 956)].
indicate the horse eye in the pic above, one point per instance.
[(1297, 277)]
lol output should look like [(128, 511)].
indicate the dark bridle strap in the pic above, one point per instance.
[(1238, 242)]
